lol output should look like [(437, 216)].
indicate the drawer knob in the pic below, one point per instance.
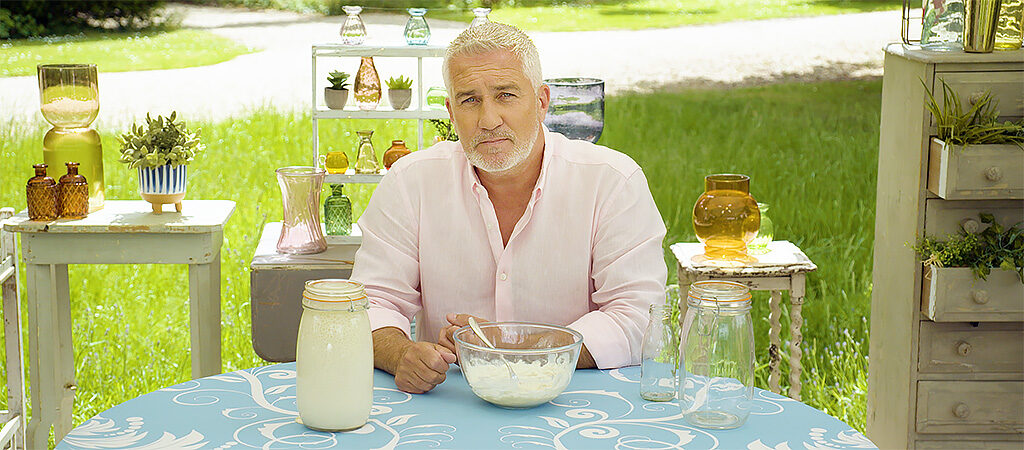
[(970, 225), (980, 296), (963, 348), (975, 97), (993, 174), (961, 410)]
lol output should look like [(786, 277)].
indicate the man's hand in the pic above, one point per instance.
[(417, 366), (456, 321)]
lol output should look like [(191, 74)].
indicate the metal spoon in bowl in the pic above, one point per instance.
[(480, 334)]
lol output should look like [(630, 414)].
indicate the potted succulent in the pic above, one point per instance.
[(336, 95), (400, 92), (160, 151)]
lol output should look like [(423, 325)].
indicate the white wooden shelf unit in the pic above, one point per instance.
[(320, 110)]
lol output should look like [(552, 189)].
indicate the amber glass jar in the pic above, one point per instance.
[(42, 195), (726, 218), (73, 194), (367, 86), (397, 150)]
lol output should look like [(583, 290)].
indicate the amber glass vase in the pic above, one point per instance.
[(73, 194), (367, 88), (41, 191), (397, 150), (726, 218)]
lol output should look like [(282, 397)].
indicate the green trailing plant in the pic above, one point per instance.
[(399, 83), (338, 80), (445, 129), (995, 246), (977, 125), (161, 141)]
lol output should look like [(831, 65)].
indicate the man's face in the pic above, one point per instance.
[(496, 112)]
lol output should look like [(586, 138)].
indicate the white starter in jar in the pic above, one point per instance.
[(334, 356)]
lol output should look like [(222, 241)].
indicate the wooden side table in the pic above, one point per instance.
[(784, 268), (123, 232)]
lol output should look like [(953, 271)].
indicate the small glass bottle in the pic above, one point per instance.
[(943, 25), (334, 356), (765, 233), (1011, 23), (72, 194), (335, 161), (716, 364), (42, 195), (367, 86), (397, 150), (435, 97), (353, 32), (480, 16), (417, 32), (338, 212), (366, 156), (660, 350)]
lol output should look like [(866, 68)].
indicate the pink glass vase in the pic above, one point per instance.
[(300, 193)]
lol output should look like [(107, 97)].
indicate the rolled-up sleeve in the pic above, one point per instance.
[(387, 262), (628, 273)]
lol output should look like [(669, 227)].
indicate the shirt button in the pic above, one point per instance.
[(503, 276)]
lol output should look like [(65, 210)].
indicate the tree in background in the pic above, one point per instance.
[(29, 18)]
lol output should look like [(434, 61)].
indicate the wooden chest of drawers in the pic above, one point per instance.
[(946, 367)]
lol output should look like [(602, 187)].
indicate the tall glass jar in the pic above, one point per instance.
[(417, 32), (353, 32), (943, 25), (366, 156), (83, 146), (716, 370), (68, 94), (765, 233), (1011, 20), (300, 193), (480, 16), (367, 87), (338, 212), (660, 350), (334, 356), (726, 218)]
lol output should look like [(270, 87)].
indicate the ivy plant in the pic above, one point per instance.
[(995, 246)]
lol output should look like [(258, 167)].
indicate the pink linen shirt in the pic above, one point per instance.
[(587, 252)]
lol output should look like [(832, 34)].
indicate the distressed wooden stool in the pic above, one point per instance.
[(783, 268)]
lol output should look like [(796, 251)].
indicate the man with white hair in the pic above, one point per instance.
[(512, 222)]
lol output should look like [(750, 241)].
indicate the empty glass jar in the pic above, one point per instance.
[(716, 370), (417, 32), (765, 233), (366, 156), (353, 32), (660, 350), (300, 194)]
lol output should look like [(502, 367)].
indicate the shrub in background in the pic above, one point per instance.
[(29, 18)]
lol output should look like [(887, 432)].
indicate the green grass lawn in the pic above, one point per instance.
[(810, 149), (119, 52), (640, 14)]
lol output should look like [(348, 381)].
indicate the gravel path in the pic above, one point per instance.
[(278, 74)]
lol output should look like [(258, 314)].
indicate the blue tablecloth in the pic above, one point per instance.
[(599, 409)]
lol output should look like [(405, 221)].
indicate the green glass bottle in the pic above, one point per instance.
[(338, 212)]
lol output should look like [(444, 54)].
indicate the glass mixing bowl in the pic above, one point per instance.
[(541, 357)]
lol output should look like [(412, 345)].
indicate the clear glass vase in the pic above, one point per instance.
[(417, 32), (367, 86), (765, 233), (577, 108), (480, 16), (660, 350), (366, 156), (68, 94), (436, 96), (353, 32), (943, 25), (716, 370), (300, 194)]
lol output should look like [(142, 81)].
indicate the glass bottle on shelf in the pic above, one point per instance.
[(367, 87), (765, 233), (435, 97), (397, 150), (366, 157), (335, 161), (338, 212), (41, 191), (417, 32), (480, 16), (660, 351), (353, 32), (943, 25), (1011, 21), (72, 194)]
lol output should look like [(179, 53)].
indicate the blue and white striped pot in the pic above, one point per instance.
[(165, 179)]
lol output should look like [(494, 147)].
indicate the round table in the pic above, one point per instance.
[(599, 409)]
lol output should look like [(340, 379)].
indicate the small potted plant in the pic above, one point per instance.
[(160, 151), (336, 95), (400, 92)]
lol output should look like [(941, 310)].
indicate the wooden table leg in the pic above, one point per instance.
[(14, 363), (65, 353), (776, 343), (796, 322), (204, 315), (42, 349)]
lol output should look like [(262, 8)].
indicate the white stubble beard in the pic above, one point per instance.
[(498, 164)]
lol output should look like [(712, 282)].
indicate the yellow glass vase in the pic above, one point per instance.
[(726, 218)]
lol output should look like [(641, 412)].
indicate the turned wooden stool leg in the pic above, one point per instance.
[(796, 322), (776, 343), (157, 208)]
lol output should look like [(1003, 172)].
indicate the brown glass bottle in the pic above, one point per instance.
[(73, 194), (397, 150), (42, 195)]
